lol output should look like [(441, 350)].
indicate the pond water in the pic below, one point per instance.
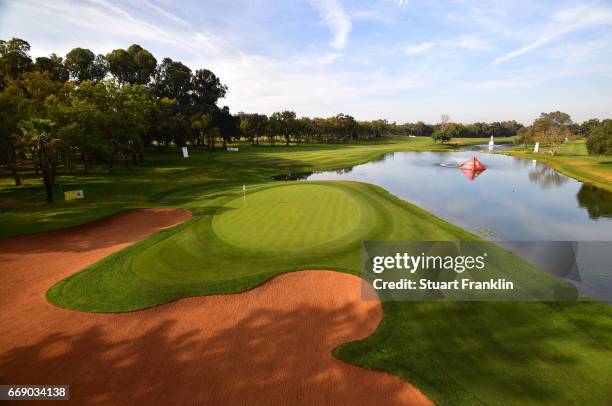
[(513, 199)]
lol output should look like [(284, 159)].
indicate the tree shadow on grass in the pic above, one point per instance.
[(263, 357)]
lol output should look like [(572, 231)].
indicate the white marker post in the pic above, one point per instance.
[(244, 194), (536, 149)]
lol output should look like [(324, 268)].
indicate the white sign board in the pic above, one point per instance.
[(185, 152), (537, 147)]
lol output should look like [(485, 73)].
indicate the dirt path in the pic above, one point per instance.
[(268, 345)]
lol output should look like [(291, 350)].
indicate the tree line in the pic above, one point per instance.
[(556, 128), (106, 109)]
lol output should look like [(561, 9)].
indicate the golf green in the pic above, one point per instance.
[(229, 246), (293, 217)]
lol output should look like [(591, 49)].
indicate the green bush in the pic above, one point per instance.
[(599, 141)]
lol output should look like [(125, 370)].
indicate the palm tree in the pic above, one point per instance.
[(38, 137)]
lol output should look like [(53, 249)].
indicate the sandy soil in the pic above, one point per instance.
[(268, 345)]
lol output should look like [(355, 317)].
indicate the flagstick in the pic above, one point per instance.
[(244, 194)]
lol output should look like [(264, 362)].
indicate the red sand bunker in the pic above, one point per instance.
[(268, 345)]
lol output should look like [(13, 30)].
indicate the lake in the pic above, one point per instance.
[(513, 199)]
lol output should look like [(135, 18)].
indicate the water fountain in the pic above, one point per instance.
[(491, 144)]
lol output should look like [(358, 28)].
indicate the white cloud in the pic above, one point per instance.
[(400, 3), (506, 83), (467, 42), (419, 48), (164, 13), (328, 58), (473, 43), (336, 19), (563, 23)]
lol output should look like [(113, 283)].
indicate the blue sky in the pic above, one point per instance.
[(402, 60)]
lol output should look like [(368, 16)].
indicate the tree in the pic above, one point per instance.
[(227, 124), (163, 121), (455, 130), (420, 129), (346, 126), (260, 125), (207, 90), (283, 123), (305, 128), (552, 129), (78, 62), (377, 128), (134, 65), (38, 136), (14, 59), (99, 69), (525, 136), (37, 86), (202, 124), (82, 65), (599, 141), (13, 109), (441, 137), (120, 121), (173, 80), (54, 65), (444, 127), (588, 126), (121, 65), (80, 124), (247, 126), (144, 62)]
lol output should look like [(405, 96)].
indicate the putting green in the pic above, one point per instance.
[(292, 217)]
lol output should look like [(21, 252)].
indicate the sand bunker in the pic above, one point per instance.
[(268, 345)]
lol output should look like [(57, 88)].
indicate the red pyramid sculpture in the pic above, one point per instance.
[(472, 168), (473, 164)]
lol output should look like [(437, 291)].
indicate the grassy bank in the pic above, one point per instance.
[(573, 160)]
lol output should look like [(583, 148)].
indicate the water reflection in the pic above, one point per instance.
[(488, 147), (293, 176), (511, 200), (598, 202), (546, 176), (344, 171)]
